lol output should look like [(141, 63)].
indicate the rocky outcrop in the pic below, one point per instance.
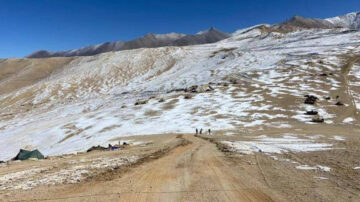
[(199, 88)]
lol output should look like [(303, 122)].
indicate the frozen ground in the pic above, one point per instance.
[(73, 172), (292, 143), (287, 143), (90, 100)]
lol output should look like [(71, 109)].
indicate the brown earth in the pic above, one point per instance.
[(190, 168), (194, 172)]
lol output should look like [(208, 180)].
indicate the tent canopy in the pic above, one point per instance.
[(25, 154)]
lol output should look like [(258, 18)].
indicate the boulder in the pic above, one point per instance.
[(310, 99), (199, 88), (192, 89), (339, 103), (317, 119), (233, 80), (141, 102), (188, 96), (312, 112)]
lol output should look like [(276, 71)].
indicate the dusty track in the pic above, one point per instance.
[(195, 172), (345, 70)]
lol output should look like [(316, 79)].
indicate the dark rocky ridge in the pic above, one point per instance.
[(149, 41)]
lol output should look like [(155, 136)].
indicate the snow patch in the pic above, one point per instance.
[(318, 167), (321, 178), (338, 138), (31, 178), (285, 144), (348, 120)]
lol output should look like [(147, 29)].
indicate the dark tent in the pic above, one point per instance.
[(25, 154)]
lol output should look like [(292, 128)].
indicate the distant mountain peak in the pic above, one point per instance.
[(211, 29), (350, 20), (296, 17)]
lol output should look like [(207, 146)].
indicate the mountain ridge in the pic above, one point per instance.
[(212, 35), (351, 20), (148, 41)]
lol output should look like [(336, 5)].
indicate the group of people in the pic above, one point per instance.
[(201, 131)]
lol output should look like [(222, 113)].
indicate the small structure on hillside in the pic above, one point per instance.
[(26, 154)]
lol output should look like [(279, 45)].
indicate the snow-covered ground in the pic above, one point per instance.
[(288, 143), (28, 179), (91, 100), (318, 167)]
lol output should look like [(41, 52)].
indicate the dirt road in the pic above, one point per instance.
[(195, 172)]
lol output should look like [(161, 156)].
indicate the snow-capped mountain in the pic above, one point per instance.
[(149, 41), (351, 20)]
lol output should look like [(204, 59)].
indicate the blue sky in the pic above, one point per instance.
[(30, 25)]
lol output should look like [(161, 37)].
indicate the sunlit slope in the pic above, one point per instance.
[(259, 80)]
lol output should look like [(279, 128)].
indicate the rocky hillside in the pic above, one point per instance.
[(350, 21), (257, 78), (254, 79)]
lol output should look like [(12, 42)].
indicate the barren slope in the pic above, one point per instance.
[(84, 101)]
